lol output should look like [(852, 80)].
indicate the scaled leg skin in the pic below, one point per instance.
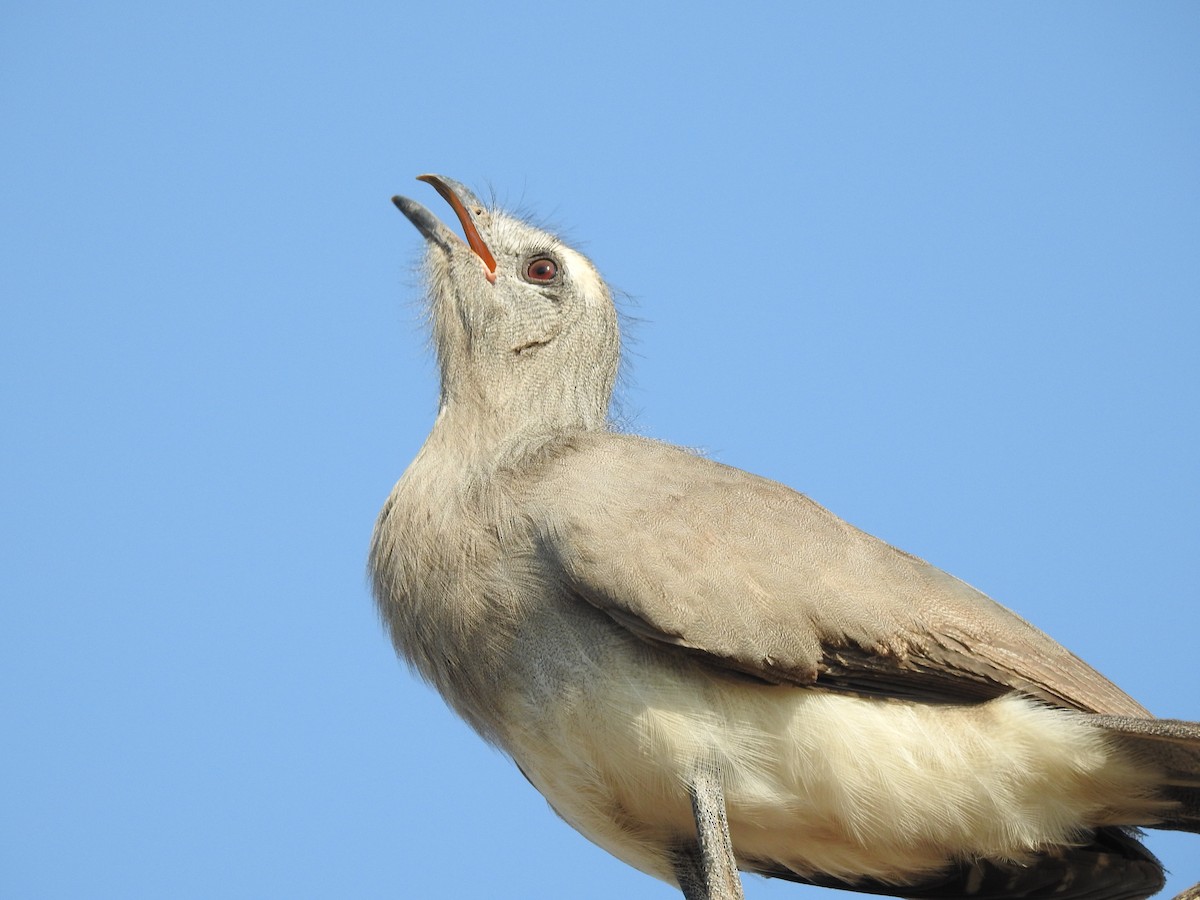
[(707, 870)]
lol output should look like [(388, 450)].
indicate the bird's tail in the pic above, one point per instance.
[(1173, 748)]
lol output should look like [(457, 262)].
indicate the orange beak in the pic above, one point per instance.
[(454, 194)]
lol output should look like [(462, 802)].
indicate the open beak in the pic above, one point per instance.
[(465, 205)]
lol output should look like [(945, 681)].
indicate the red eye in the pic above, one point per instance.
[(542, 269)]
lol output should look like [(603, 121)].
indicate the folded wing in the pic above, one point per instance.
[(754, 577)]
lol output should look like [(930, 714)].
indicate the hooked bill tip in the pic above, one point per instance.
[(461, 199)]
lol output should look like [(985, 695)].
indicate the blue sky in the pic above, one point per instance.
[(933, 264)]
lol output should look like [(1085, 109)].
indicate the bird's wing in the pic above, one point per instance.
[(754, 577)]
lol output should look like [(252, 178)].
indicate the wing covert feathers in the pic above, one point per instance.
[(759, 579)]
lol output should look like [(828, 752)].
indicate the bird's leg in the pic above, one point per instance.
[(706, 870)]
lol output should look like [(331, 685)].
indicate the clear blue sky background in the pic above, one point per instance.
[(937, 265)]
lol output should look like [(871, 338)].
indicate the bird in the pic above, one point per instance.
[(705, 672)]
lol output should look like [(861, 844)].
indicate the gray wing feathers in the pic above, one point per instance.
[(758, 578)]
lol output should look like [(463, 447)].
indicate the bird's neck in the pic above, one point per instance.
[(487, 425)]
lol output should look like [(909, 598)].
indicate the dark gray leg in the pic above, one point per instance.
[(706, 870)]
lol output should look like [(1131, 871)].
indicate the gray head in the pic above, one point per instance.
[(524, 327)]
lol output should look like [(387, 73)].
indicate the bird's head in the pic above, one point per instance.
[(524, 327)]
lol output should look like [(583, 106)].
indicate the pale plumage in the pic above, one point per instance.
[(657, 639)]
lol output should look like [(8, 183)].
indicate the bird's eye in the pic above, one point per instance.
[(542, 270)]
